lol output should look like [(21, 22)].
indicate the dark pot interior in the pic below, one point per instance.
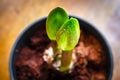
[(40, 24)]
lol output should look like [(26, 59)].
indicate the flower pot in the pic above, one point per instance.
[(24, 39)]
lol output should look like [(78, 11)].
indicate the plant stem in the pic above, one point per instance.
[(57, 52), (64, 56), (66, 60)]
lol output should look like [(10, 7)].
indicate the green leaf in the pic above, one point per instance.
[(56, 18), (68, 35)]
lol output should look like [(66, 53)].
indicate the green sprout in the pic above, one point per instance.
[(65, 33)]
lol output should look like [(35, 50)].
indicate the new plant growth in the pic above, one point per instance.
[(64, 32)]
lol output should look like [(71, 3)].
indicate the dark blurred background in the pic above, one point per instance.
[(15, 15)]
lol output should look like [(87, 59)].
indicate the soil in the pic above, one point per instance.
[(90, 65)]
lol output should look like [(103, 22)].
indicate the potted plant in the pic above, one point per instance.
[(61, 47)]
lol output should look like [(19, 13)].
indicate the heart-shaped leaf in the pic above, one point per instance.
[(68, 35), (56, 18)]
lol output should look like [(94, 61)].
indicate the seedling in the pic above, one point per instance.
[(64, 32)]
